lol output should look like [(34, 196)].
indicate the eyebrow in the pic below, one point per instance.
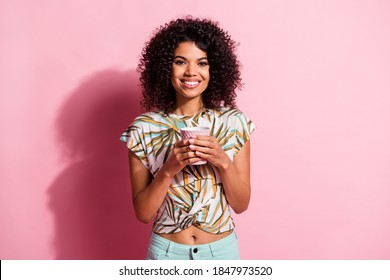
[(182, 57)]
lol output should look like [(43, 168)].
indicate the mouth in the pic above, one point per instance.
[(190, 84)]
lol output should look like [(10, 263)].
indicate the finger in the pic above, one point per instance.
[(198, 142), (203, 150), (206, 138), (204, 155), (186, 156), (182, 143), (192, 160), (182, 150)]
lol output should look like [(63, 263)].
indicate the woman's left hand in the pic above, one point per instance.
[(208, 148)]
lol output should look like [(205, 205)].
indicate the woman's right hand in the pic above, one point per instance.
[(179, 157)]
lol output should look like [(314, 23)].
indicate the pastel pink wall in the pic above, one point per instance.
[(317, 87)]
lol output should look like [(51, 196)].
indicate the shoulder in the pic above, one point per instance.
[(152, 115), (148, 117), (234, 118), (227, 113)]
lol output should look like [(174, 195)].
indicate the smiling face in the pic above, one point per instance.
[(190, 72)]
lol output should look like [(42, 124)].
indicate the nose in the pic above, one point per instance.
[(190, 70)]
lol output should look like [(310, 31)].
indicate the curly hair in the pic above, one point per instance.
[(155, 64)]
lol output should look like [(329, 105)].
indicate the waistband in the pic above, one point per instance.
[(168, 245)]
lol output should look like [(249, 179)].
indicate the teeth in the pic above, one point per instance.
[(191, 83)]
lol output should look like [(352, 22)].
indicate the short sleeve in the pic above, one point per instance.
[(134, 138), (243, 128)]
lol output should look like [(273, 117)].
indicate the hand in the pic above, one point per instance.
[(208, 148), (179, 157)]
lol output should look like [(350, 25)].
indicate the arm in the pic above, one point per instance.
[(236, 179), (235, 175), (148, 192)]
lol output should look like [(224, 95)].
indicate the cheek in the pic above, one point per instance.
[(207, 78), (174, 76), (206, 74), (175, 71)]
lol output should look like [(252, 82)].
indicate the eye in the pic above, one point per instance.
[(203, 63), (179, 62)]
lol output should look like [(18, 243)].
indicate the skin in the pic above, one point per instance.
[(190, 64)]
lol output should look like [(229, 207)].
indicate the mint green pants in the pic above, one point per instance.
[(161, 248)]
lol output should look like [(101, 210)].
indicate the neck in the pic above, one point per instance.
[(189, 108)]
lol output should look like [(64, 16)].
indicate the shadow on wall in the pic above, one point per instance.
[(91, 197)]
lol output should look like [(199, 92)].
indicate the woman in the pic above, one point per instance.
[(189, 73)]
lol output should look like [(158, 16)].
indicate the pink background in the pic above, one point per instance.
[(317, 87)]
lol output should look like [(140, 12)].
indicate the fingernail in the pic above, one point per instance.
[(192, 141)]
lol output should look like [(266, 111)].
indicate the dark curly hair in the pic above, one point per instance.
[(157, 56)]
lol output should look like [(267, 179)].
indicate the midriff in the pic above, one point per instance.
[(194, 236)]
